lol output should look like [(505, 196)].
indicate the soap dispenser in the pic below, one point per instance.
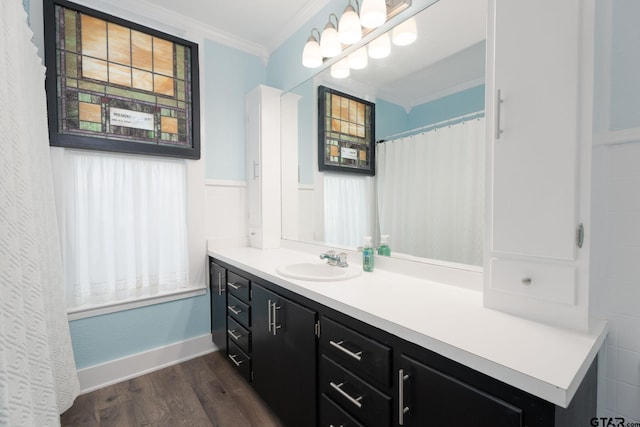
[(384, 248), (368, 254)]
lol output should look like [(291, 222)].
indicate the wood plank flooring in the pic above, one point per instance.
[(201, 392)]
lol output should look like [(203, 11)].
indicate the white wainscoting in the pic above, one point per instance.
[(227, 222)]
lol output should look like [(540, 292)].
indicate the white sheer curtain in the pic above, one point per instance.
[(348, 209), (125, 227), (437, 178), (37, 370)]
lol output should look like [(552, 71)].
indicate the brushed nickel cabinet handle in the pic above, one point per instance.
[(233, 359), (354, 400), (499, 102), (219, 283), (275, 326), (401, 408), (270, 313), (233, 334), (232, 308), (233, 285), (338, 345)]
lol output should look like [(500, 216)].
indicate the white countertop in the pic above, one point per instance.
[(546, 361)]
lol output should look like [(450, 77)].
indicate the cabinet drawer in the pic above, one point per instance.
[(356, 352), (332, 415), (549, 282), (239, 335), (238, 286), (240, 360), (364, 402), (239, 311)]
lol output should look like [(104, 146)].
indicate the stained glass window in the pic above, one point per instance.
[(346, 132), (122, 83)]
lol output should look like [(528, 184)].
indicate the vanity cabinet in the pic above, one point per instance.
[(284, 356), (316, 366), (218, 294), (538, 99), (429, 397)]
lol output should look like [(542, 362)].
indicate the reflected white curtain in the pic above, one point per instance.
[(125, 227), (348, 209), (438, 179), (37, 370)]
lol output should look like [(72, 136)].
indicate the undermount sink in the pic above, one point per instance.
[(317, 271)]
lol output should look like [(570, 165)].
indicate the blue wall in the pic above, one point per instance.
[(390, 119), (457, 104), (103, 338), (230, 74)]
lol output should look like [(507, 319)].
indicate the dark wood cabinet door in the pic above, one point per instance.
[(217, 290), (284, 356), (431, 398)]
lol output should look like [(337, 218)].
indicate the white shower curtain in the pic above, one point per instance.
[(37, 371), (437, 177)]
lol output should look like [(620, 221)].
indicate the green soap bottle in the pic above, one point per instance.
[(384, 248), (368, 254)]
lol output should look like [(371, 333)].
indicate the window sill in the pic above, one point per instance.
[(84, 312)]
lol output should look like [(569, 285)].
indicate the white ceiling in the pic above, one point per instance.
[(263, 22)]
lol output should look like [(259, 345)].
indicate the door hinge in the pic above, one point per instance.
[(317, 328), (580, 235)]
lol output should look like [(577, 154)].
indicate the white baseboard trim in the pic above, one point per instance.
[(118, 370)]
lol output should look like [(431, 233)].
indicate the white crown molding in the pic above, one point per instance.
[(311, 9)]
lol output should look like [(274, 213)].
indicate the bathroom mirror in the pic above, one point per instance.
[(430, 89)]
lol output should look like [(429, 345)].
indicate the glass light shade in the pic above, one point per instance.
[(405, 33), (340, 69), (330, 42), (349, 29), (380, 47), (373, 13), (311, 57), (358, 59)]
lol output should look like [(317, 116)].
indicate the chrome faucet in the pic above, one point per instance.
[(339, 260)]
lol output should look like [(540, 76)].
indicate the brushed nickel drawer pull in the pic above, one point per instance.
[(401, 408), (233, 334), (339, 346), (233, 359), (232, 308), (354, 400), (233, 285), (220, 284)]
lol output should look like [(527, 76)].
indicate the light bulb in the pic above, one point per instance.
[(404, 33), (380, 47), (373, 13), (329, 42), (349, 29), (358, 59), (311, 57), (340, 69)]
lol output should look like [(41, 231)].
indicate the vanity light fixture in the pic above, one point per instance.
[(405, 33), (358, 59), (340, 69), (349, 28), (329, 40), (311, 56), (380, 47), (373, 13)]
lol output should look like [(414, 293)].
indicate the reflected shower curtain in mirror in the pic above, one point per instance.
[(348, 209), (38, 377), (440, 175)]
